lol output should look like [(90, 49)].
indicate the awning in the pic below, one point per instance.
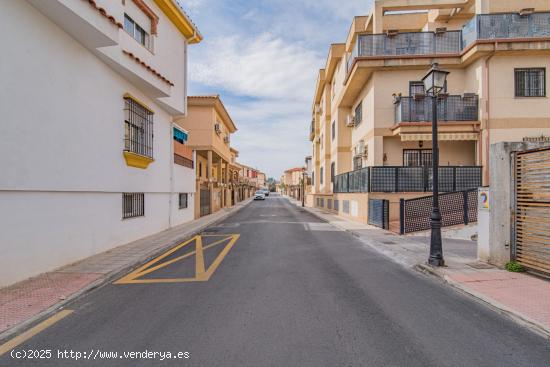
[(443, 136)]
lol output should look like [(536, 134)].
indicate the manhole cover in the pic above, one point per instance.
[(389, 242)]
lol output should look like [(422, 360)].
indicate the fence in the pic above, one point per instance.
[(456, 208), (407, 179), (450, 108), (379, 213)]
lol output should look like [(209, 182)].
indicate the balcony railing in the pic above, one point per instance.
[(407, 179), (508, 25), (407, 44), (481, 27), (449, 108)]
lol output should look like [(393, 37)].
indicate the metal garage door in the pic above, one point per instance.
[(532, 209)]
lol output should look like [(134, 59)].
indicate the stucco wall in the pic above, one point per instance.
[(63, 171)]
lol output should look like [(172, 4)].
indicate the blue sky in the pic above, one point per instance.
[(262, 57)]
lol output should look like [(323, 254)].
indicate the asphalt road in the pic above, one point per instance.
[(291, 291)]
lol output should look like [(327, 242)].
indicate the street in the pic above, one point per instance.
[(273, 285)]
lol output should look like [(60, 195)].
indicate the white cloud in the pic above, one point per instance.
[(261, 67)]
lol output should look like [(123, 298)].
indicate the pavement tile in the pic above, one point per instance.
[(27, 298)]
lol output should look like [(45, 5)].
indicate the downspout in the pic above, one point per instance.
[(486, 93)]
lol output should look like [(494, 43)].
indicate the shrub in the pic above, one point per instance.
[(514, 266)]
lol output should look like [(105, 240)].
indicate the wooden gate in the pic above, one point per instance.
[(532, 210)]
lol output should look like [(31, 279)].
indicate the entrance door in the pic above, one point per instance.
[(205, 202), (532, 210)]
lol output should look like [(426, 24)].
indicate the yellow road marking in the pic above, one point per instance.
[(199, 260), (9, 345), (200, 273)]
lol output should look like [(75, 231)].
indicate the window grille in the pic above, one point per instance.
[(138, 133), (530, 82), (183, 200), (133, 205)]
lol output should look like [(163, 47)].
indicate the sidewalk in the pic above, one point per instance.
[(523, 297), (24, 303)]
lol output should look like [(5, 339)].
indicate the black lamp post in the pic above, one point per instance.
[(434, 82)]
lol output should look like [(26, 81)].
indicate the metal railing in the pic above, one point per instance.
[(506, 25), (481, 27), (456, 208), (407, 43), (407, 179), (449, 108)]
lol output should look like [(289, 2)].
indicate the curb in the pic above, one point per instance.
[(109, 277), (520, 319)]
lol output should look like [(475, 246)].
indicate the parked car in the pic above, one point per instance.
[(266, 192), (259, 195)]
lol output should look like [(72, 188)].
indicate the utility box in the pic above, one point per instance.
[(483, 218)]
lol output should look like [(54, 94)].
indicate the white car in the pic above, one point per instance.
[(259, 195)]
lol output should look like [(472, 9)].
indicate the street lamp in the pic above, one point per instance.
[(434, 82)]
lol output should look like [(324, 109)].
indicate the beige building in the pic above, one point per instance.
[(371, 117), (292, 180), (210, 127)]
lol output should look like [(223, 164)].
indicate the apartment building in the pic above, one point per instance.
[(91, 157), (292, 180), (210, 127), (371, 118)]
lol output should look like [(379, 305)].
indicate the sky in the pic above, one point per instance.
[(262, 57)]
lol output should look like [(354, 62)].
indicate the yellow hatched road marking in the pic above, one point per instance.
[(201, 274), (9, 345)]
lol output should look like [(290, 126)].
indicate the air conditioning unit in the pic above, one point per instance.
[(350, 121), (318, 109), (217, 128), (226, 139)]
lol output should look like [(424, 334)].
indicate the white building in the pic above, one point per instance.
[(90, 158)]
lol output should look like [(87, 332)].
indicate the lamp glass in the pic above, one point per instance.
[(434, 81)]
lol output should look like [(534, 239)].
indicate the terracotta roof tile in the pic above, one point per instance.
[(142, 63), (103, 12)]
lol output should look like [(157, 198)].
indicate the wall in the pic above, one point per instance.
[(63, 200)]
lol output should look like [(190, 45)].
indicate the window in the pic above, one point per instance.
[(313, 177), (321, 175), (359, 113), (138, 33), (138, 128), (200, 170), (322, 141), (332, 171), (417, 157), (530, 82), (182, 200), (333, 129), (416, 87), (133, 205)]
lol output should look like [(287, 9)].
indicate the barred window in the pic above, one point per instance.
[(530, 82), (183, 200), (133, 205), (359, 114), (138, 128)]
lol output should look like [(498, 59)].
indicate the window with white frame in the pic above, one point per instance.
[(137, 32)]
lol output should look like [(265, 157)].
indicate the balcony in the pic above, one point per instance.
[(406, 44), (505, 26), (489, 27), (407, 179), (449, 108)]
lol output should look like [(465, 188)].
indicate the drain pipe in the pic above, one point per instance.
[(486, 93)]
